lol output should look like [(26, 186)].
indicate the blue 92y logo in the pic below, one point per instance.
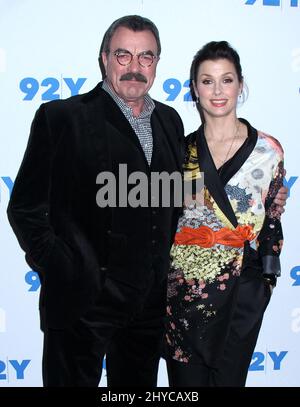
[(32, 279), (13, 368), (295, 275), (293, 3), (51, 87), (259, 360), (173, 87)]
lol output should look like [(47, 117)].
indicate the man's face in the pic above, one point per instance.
[(133, 88)]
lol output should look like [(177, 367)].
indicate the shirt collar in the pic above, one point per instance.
[(148, 101)]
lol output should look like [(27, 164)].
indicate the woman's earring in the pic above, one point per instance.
[(197, 99)]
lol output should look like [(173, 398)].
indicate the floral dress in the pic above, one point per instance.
[(215, 239)]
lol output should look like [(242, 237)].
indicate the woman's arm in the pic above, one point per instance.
[(271, 237)]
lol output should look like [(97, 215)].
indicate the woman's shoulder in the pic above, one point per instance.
[(271, 142), (264, 140)]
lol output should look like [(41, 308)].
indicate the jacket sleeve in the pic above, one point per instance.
[(28, 207), (271, 237)]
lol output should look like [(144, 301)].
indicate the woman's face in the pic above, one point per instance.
[(218, 87)]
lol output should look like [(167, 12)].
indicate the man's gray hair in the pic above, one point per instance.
[(132, 22)]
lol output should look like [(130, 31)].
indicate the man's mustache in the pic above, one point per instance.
[(131, 75)]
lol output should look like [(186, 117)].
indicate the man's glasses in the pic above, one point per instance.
[(145, 59)]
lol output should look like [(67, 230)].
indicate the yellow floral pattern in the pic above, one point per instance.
[(203, 279), (200, 263)]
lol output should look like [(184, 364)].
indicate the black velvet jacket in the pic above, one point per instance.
[(68, 239)]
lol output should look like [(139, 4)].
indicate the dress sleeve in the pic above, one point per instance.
[(270, 238)]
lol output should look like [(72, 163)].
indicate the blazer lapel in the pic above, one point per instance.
[(116, 118), (212, 179), (96, 151), (232, 166), (102, 108)]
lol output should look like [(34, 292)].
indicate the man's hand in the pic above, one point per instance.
[(280, 199)]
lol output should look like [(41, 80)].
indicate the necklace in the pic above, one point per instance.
[(233, 139), (223, 160)]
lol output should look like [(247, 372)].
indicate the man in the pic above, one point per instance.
[(102, 268)]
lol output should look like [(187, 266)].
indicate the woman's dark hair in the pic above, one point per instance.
[(132, 22), (210, 52)]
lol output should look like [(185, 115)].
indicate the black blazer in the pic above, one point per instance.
[(68, 239)]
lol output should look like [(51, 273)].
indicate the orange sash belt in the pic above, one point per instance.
[(206, 237)]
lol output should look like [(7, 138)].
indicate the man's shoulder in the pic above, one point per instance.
[(167, 111), (73, 101), (165, 107)]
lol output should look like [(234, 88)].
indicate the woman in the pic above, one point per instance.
[(225, 258)]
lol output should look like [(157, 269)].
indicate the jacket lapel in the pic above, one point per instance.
[(212, 179), (101, 108), (116, 118), (233, 165)]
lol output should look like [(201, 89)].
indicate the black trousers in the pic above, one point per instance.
[(232, 368), (126, 327)]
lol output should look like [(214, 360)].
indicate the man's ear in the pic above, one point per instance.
[(104, 59), (103, 64)]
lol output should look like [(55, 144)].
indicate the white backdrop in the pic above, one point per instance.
[(49, 47)]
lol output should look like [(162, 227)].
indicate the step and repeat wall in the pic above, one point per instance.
[(49, 50)]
